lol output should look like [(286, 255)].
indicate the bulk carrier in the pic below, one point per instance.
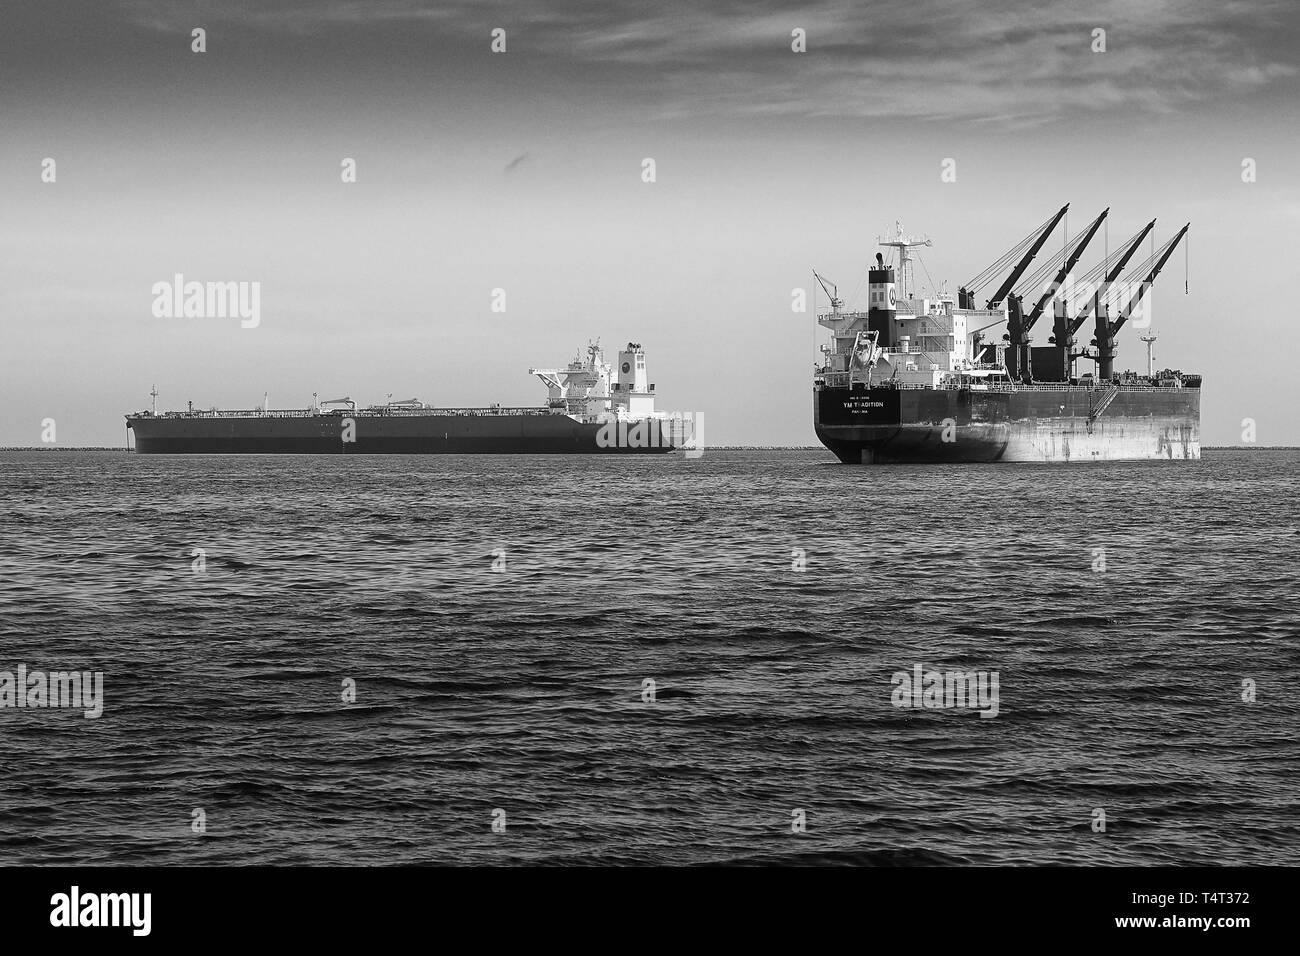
[(590, 410), (916, 380)]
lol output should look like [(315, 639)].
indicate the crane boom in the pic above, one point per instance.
[(1028, 257), (1019, 356), (1151, 278), (1061, 273), (832, 292), (1108, 330), (1077, 323), (1064, 327)]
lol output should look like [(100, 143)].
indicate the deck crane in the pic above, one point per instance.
[(1019, 361), (966, 294), (1064, 327), (1108, 330), (831, 291)]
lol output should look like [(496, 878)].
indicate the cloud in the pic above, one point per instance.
[(932, 59)]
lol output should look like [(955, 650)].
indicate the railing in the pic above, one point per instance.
[(894, 350), (840, 379), (377, 412)]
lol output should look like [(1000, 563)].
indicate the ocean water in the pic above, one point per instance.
[(497, 619)]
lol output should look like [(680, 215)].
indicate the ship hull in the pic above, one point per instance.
[(1050, 423), (539, 434)]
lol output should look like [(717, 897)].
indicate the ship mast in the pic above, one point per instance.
[(904, 244), (1148, 339), (153, 391)]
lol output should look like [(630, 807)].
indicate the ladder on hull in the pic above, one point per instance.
[(1101, 405)]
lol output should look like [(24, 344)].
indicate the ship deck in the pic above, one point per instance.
[(379, 412), (841, 380)]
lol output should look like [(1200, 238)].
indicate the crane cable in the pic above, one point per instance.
[(1097, 275), (1015, 252)]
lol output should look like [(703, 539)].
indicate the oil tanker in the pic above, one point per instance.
[(591, 410), (913, 380)]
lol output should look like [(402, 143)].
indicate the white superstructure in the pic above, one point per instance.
[(593, 390), (907, 341)]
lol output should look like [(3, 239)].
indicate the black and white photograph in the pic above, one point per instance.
[(565, 441)]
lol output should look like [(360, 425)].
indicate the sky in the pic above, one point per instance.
[(522, 171)]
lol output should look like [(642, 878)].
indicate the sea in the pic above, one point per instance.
[(743, 658)]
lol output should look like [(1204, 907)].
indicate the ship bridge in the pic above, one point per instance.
[(915, 341)]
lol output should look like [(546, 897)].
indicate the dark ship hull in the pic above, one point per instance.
[(591, 410), (1027, 423), (525, 433)]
